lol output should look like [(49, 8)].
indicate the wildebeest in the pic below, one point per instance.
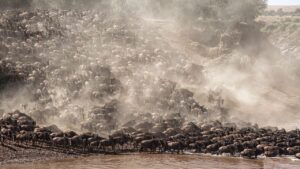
[(41, 137), (177, 146), (94, 142), (108, 143), (231, 149), (8, 133), (213, 148), (249, 144), (60, 134), (271, 151), (140, 137), (75, 141), (152, 145), (60, 142), (293, 150), (249, 153), (70, 134), (24, 136), (201, 145), (122, 140), (297, 155), (1, 138)]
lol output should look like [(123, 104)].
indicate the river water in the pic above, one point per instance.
[(155, 161)]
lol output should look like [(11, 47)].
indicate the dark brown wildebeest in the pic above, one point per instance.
[(75, 142), (178, 137), (140, 137), (249, 144), (231, 149), (94, 143), (249, 153), (293, 150), (60, 142), (271, 151), (152, 145), (177, 146), (42, 137), (213, 148), (60, 134), (8, 133), (85, 137), (24, 136), (107, 143), (201, 145), (1, 138), (122, 140), (70, 134)]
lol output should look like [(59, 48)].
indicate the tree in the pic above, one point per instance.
[(246, 10)]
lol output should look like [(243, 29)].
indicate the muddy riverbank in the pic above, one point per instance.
[(158, 161), (17, 154)]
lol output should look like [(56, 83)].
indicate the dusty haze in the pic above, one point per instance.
[(143, 57)]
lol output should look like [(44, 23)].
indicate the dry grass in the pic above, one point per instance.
[(285, 8), (270, 19)]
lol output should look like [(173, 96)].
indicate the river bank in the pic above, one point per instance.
[(158, 161), (13, 154)]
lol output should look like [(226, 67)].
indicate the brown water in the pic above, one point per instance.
[(154, 161)]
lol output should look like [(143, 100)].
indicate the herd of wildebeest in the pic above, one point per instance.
[(31, 43), (205, 138)]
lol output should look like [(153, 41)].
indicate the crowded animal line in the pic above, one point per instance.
[(205, 138)]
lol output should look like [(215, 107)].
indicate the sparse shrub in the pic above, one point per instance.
[(297, 20), (288, 20), (271, 28), (292, 28)]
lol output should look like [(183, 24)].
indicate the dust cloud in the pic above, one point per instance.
[(101, 65)]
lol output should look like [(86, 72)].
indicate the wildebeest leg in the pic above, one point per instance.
[(118, 147), (98, 147), (85, 146), (33, 141), (159, 150), (102, 148), (135, 146), (152, 149), (13, 137)]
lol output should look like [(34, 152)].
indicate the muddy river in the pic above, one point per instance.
[(154, 161)]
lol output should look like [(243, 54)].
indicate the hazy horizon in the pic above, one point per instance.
[(286, 2)]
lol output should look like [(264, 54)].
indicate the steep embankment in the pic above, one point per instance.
[(97, 71)]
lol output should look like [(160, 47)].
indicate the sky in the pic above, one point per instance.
[(284, 2)]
